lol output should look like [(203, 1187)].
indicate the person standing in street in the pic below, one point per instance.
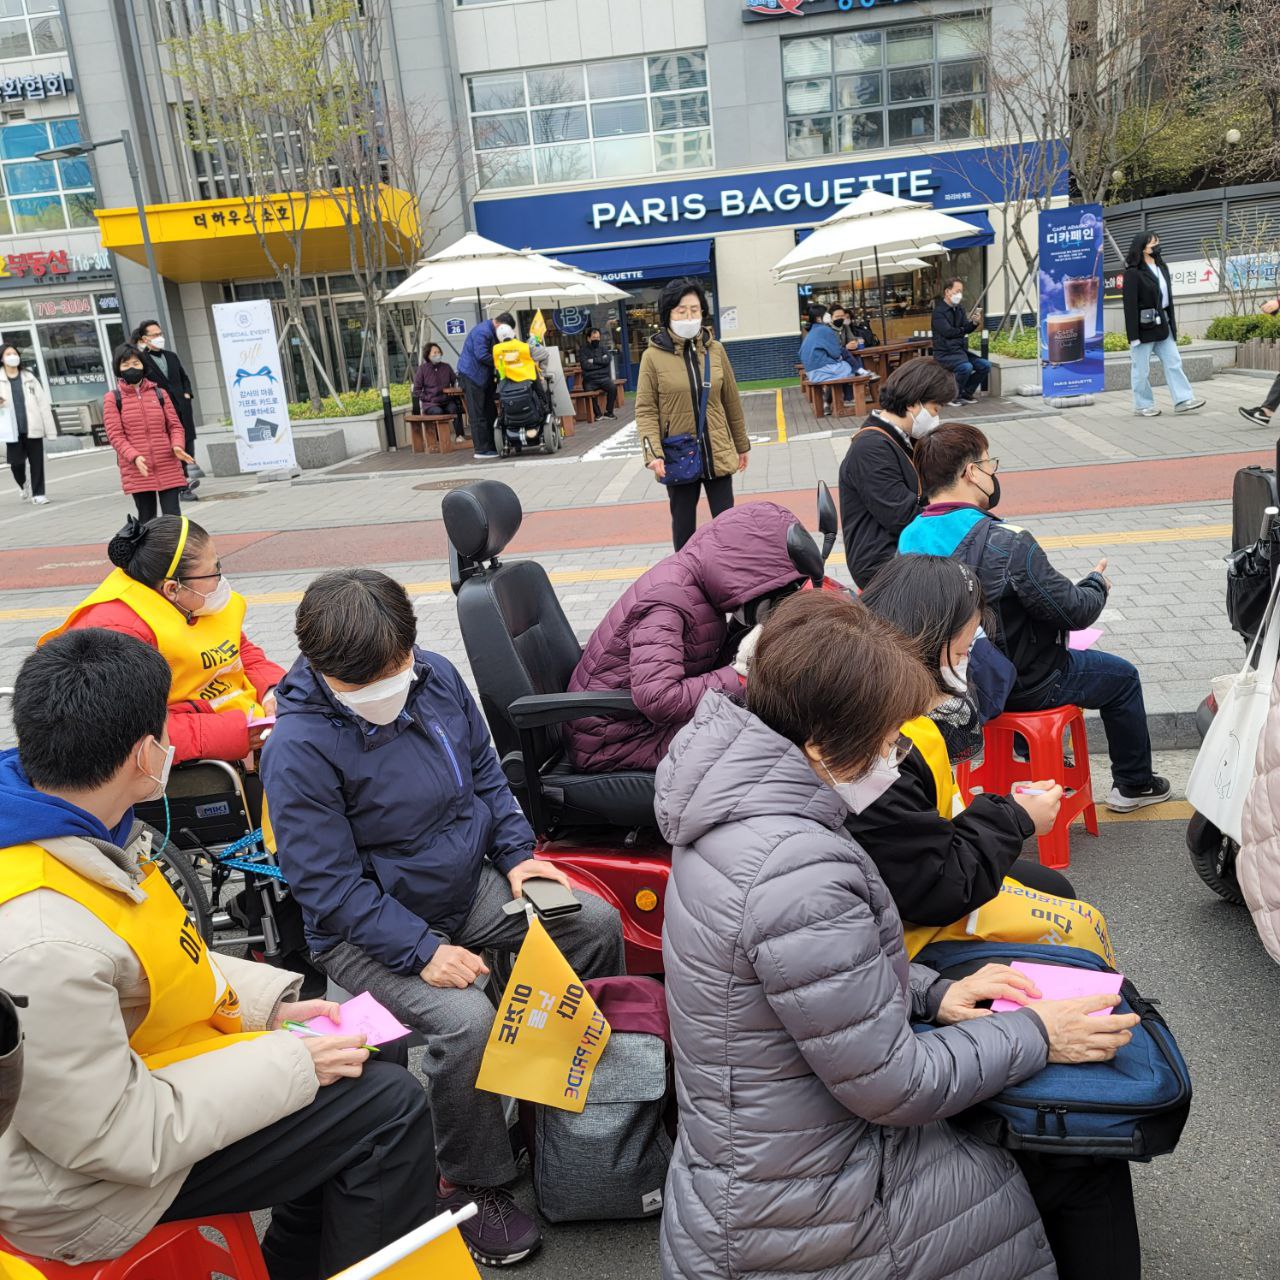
[(686, 388), (479, 381), (952, 325), (597, 371), (1152, 328), (26, 419), (1263, 413), (165, 369)]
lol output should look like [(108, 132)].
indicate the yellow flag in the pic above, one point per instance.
[(12, 1268), (548, 1034), (444, 1256), (538, 327)]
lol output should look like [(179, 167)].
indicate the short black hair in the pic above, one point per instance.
[(505, 318), (945, 452), (82, 702), (145, 551), (594, 329), (429, 348), (1138, 245), (353, 624), (919, 381), (839, 306), (125, 351), (816, 313), (671, 294), (142, 328), (946, 284)]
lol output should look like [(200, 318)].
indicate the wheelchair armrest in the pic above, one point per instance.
[(536, 710)]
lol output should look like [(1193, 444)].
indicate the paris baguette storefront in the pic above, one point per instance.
[(729, 229)]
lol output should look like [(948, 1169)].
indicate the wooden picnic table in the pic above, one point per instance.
[(887, 357)]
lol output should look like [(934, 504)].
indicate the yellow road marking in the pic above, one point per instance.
[(780, 418), (1132, 537), (1170, 811)]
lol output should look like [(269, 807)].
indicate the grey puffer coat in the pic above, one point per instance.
[(812, 1119)]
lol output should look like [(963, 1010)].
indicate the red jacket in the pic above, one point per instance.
[(195, 729), (150, 429)]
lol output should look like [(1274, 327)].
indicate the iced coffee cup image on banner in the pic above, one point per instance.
[(548, 1033)]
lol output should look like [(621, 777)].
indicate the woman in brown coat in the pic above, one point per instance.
[(668, 396)]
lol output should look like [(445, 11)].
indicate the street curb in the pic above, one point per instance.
[(1169, 730)]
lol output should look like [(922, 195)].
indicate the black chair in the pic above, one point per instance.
[(522, 652)]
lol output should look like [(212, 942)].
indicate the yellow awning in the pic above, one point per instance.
[(219, 240)]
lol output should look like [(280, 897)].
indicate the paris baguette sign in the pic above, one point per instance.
[(754, 10)]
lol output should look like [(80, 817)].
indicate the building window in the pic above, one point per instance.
[(885, 87), (29, 28), (43, 195), (616, 119)]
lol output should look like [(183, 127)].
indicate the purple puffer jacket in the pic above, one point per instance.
[(664, 638)]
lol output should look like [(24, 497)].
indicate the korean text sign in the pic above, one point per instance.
[(548, 1033), (255, 387), (1071, 242)]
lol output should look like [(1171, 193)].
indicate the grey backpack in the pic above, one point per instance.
[(610, 1160)]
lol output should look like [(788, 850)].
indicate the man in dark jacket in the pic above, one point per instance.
[(402, 843), (166, 371), (479, 381), (1036, 607), (952, 326), (597, 370)]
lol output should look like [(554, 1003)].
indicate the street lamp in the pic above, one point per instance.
[(73, 149)]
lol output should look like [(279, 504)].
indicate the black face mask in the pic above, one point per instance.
[(993, 498), (133, 376)]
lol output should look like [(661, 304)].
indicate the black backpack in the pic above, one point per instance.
[(115, 391), (522, 404)]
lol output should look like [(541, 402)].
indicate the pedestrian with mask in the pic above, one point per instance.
[(597, 370), (880, 493), (1152, 328), (26, 419), (687, 393), (163, 367), (430, 384), (479, 381), (952, 326)]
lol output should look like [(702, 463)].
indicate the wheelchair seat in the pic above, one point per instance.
[(522, 652)]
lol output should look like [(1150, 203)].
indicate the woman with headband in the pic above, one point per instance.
[(168, 590)]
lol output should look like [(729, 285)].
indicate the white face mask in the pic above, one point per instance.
[(13, 361), (434, 358), (505, 332), (162, 779), (957, 680), (380, 702), (826, 317), (686, 329), (957, 299), (157, 343), (213, 602), (922, 423), (863, 792)]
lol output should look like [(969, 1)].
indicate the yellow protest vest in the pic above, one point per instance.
[(514, 361), (193, 1009), (1017, 913), (203, 655)]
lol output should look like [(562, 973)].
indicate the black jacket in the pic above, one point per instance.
[(879, 497), (597, 366), (1141, 290), (176, 383), (951, 326), (1035, 606), (939, 869)]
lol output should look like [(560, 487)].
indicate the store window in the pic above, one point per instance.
[(896, 86), (29, 28), (616, 119), (43, 195)]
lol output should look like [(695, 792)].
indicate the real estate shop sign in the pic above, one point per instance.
[(1071, 243)]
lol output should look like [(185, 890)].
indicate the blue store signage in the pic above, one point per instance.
[(753, 10), (717, 203)]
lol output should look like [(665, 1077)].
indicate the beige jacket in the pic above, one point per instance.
[(40, 420), (1258, 866), (99, 1145)]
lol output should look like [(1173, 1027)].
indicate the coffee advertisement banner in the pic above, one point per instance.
[(1071, 243)]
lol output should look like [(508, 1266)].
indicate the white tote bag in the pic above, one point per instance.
[(1222, 771)]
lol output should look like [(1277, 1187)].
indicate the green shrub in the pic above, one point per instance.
[(1242, 328), (351, 404), (1026, 344)]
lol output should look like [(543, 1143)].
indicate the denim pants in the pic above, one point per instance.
[(971, 375), (1102, 682), (1140, 373)]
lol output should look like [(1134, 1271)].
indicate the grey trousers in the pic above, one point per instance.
[(472, 1146)]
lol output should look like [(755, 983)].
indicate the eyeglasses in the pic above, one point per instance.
[(901, 750), (983, 463), (201, 577)]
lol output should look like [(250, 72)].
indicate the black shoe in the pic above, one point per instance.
[(610, 416), (968, 399), (954, 404), (189, 494), (1258, 415), (501, 1233), (1127, 799)]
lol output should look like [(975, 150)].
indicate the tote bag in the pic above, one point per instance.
[(1222, 771)]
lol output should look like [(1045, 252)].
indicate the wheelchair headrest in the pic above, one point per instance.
[(480, 519)]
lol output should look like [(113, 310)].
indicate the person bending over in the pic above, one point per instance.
[(157, 1085), (403, 843), (1035, 607)]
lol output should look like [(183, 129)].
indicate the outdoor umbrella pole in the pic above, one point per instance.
[(884, 324)]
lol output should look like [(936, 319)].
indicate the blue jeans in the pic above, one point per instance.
[(1102, 682), (1140, 373), (971, 375)]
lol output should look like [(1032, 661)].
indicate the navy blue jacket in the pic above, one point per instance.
[(383, 830), (476, 360)]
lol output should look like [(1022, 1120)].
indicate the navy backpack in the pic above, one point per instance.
[(1133, 1107)]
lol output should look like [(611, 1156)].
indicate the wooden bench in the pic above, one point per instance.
[(585, 405), (865, 396), (431, 432)]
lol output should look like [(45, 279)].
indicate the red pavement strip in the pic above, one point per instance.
[(1108, 487)]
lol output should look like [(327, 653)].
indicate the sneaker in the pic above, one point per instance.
[(39, 500), (501, 1233), (1259, 415), (195, 471), (1188, 405), (26, 491), (1153, 412), (955, 404), (1127, 799), (609, 416), (189, 494), (485, 457), (968, 399)]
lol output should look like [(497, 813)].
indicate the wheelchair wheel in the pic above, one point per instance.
[(179, 870), (1214, 857), (551, 437)]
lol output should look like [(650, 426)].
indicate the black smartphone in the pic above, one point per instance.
[(549, 897)]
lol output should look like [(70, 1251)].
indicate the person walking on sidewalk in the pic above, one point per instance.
[(165, 369), (952, 326), (1152, 328), (26, 419), (145, 431), (479, 381), (1263, 413), (686, 388)]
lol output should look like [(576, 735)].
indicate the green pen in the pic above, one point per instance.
[(303, 1030)]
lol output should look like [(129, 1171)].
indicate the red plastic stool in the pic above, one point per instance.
[(171, 1251), (1044, 732)]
